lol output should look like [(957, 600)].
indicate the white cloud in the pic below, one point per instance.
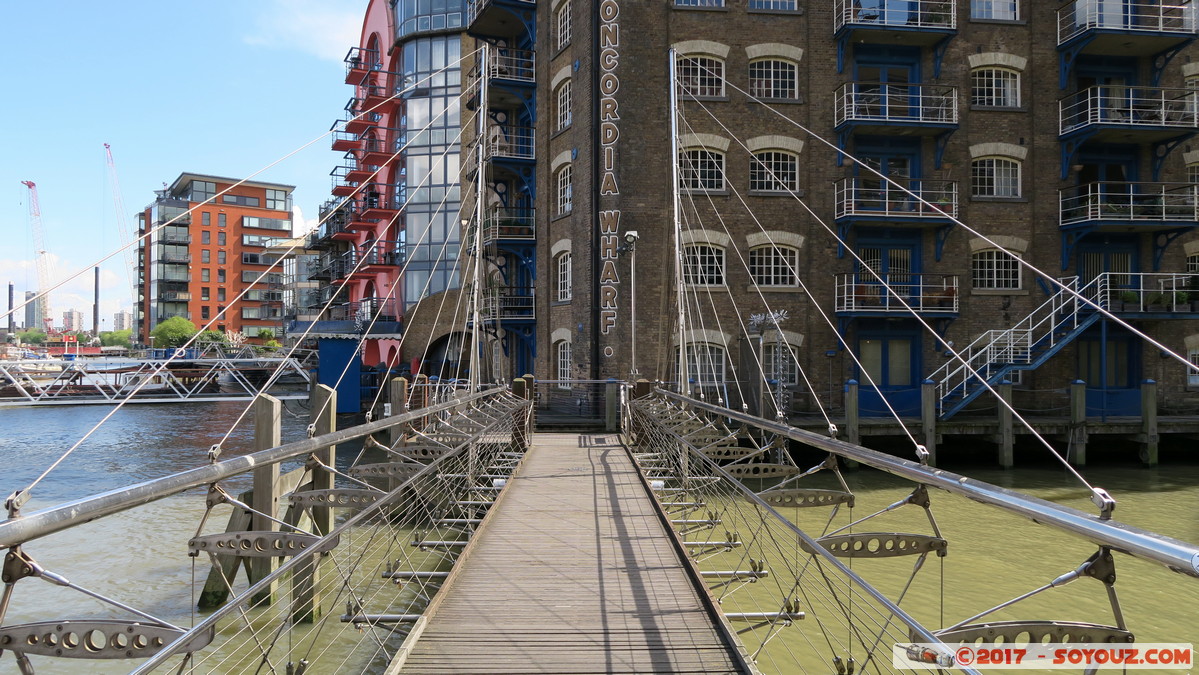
[(76, 293), (324, 28)]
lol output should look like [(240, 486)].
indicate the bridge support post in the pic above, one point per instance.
[(397, 394), (305, 598), (1078, 423), (1149, 437), (420, 398), (853, 419), (612, 406), (1006, 437), (520, 427), (531, 383), (268, 417), (928, 418)]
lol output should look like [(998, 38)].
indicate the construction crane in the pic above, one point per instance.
[(43, 261), (123, 225)]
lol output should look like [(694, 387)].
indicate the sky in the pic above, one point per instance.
[(224, 87)]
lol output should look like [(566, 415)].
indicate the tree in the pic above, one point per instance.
[(32, 336), (115, 338), (266, 335), (173, 332), (212, 337)]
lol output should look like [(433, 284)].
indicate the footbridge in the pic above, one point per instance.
[(450, 536)]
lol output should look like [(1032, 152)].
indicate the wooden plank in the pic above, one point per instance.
[(572, 572)]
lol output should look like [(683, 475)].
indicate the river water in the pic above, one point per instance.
[(140, 557)]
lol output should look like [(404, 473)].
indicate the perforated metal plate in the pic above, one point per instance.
[(1036, 632), (387, 470), (426, 452), (96, 639), (728, 451), (805, 498), (260, 544), (761, 470), (881, 544), (347, 497)]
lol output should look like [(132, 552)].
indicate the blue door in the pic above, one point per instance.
[(889, 372), (889, 266)]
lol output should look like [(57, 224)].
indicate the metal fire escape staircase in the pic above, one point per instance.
[(1025, 346)]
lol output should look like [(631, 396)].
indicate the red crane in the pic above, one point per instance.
[(43, 259)]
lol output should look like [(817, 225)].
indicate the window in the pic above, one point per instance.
[(703, 265), (205, 274), (203, 190), (205, 256), (205, 291), (564, 24), (564, 364), (1193, 372), (220, 220), (206, 219), (995, 177), (700, 76), (220, 276), (1193, 173), (995, 88), (204, 310), (699, 3), (774, 171), (205, 237), (774, 265), (240, 200), (564, 277), (251, 312), (705, 364), (276, 200), (220, 238), (564, 190), (779, 363), (773, 78), (994, 270), (220, 257), (775, 5), (998, 10), (702, 170), (220, 295), (563, 97)]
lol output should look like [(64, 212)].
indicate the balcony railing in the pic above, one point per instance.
[(391, 253), (899, 103), (1130, 202), (1151, 292), (343, 140), (174, 238), (509, 223), (359, 61), (874, 198), (476, 7), (1138, 16), (366, 310), (511, 64), (380, 196), (512, 142), (1129, 107), (174, 258), (924, 293), (266, 223), (174, 296), (507, 303), (926, 14)]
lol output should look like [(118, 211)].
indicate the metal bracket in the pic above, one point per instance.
[(214, 451), (880, 545), (94, 639), (1101, 566), (261, 544), (803, 498), (940, 144), (15, 501), (939, 236), (1162, 150), (1162, 240), (1104, 501), (17, 566), (344, 497), (1066, 59), (1163, 58)]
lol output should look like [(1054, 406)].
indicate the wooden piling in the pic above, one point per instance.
[(853, 419), (1005, 439), (305, 596), (612, 406), (928, 418), (1148, 437), (1078, 423), (397, 394), (268, 418)]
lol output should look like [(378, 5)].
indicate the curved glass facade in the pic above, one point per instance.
[(419, 16)]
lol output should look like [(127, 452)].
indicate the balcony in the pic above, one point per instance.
[(507, 303), (174, 296), (173, 238), (342, 140), (383, 254), (317, 268), (379, 97), (1112, 113), (361, 117), (283, 224), (904, 22), (1126, 28), (172, 258), (174, 218), (502, 224), (373, 316), (512, 65), (504, 18), (1156, 293), (510, 142), (900, 108), (359, 62), (380, 201), (353, 174), (1129, 206), (871, 199), (376, 151), (864, 295)]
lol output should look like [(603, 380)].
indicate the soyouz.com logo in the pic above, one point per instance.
[(1176, 656)]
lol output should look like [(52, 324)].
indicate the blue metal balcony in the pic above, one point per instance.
[(1157, 28), (921, 23), (501, 18), (862, 295)]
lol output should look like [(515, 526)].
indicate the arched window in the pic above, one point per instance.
[(703, 265), (773, 79), (562, 96), (701, 169), (992, 269), (563, 21), (779, 363), (564, 277), (705, 364), (995, 177), (995, 87), (700, 76), (565, 190), (564, 363), (774, 171), (774, 265)]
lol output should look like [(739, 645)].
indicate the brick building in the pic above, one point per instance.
[(1057, 131), (208, 251)]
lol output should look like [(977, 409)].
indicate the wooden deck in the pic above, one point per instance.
[(572, 572)]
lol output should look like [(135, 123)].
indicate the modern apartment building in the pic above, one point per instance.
[(72, 320), (205, 257), (122, 321)]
